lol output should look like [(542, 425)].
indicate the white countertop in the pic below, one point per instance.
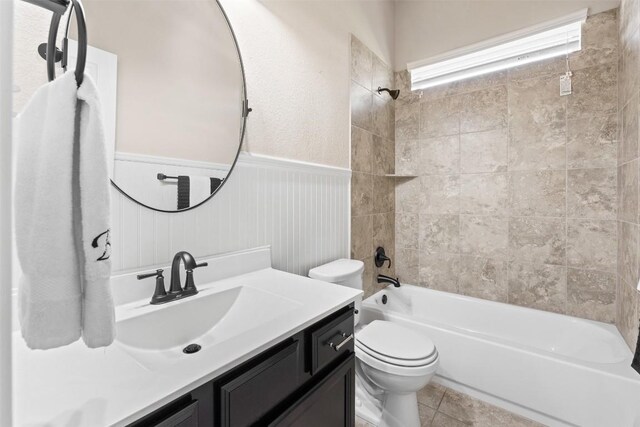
[(75, 386)]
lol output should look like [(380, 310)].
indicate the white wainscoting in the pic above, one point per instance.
[(300, 209), (140, 173)]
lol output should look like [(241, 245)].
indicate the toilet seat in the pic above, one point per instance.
[(395, 349)]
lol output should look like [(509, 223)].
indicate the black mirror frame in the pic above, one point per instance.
[(245, 113)]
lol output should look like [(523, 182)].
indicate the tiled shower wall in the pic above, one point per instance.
[(628, 252), (515, 199), (372, 157)]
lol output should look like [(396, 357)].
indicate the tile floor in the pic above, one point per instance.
[(442, 407)]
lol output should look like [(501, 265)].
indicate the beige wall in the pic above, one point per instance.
[(297, 62), (628, 298), (296, 55), (179, 79), (428, 28), (372, 156), (516, 195)]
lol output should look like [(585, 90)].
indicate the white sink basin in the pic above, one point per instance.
[(155, 335)]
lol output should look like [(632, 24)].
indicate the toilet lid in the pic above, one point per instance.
[(394, 341)]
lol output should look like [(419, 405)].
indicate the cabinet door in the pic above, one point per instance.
[(251, 392), (194, 409), (330, 403)]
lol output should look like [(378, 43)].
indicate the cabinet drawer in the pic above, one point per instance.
[(331, 340), (185, 417), (248, 396)]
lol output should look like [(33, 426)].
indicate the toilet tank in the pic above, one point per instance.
[(345, 272)]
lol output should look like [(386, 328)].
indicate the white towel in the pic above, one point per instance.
[(98, 319), (62, 218), (200, 189), (50, 288)]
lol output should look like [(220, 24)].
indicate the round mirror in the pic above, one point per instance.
[(171, 81)]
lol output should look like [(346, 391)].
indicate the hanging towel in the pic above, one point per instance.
[(50, 307), (215, 183), (200, 189), (98, 315), (183, 191), (62, 218)]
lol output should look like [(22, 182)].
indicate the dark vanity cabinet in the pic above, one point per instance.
[(306, 380)]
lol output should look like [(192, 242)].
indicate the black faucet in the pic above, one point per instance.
[(189, 265), (176, 291), (390, 280)]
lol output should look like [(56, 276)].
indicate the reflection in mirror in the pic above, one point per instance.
[(172, 88)]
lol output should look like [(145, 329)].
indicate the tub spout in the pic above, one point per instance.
[(390, 280)]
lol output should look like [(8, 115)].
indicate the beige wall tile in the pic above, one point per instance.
[(382, 76), (361, 194), (594, 92), (440, 194), (630, 130), (538, 240), (538, 286), (407, 157), (591, 294), (383, 156), (383, 232), (407, 117), (408, 195), (628, 180), (535, 102), (361, 107), (484, 151), (361, 236), (361, 63), (599, 41), (407, 265), (484, 278), (403, 82), (539, 193), (484, 194), (361, 150), (439, 156), (592, 142), (537, 147), (591, 193), (407, 229), (383, 194), (628, 255), (383, 117), (439, 271), (440, 117), (484, 236), (591, 244), (627, 313), (629, 19), (628, 66), (439, 233), (484, 109)]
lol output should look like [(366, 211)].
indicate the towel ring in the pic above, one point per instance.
[(78, 9)]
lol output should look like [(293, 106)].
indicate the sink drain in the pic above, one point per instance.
[(191, 348)]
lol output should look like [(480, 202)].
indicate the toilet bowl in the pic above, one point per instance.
[(393, 361)]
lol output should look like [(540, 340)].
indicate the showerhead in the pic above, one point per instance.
[(394, 93)]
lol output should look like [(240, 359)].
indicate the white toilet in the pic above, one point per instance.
[(393, 362)]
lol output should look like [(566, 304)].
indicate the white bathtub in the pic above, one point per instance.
[(558, 370)]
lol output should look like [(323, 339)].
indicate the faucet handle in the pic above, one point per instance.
[(190, 285), (160, 293)]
